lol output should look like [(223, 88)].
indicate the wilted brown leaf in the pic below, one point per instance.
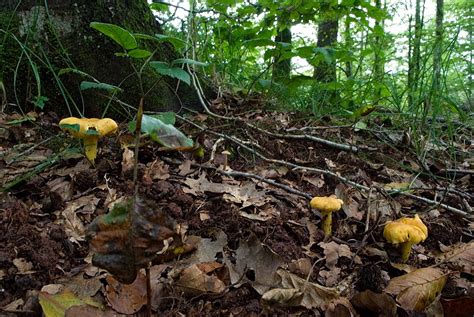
[(333, 251), (73, 225), (197, 279), (461, 256), (126, 299), (206, 249), (416, 290), (283, 297), (380, 304), (156, 170), (252, 255), (314, 295), (23, 266)]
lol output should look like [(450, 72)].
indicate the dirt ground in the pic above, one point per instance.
[(251, 247)]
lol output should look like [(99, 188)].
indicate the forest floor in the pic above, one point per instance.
[(258, 247)]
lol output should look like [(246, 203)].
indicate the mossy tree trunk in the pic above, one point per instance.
[(52, 35)]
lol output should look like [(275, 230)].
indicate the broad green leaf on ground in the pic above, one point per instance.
[(123, 37), (124, 243), (101, 86), (148, 125), (174, 72), (56, 305), (461, 256), (418, 289), (165, 134), (379, 304)]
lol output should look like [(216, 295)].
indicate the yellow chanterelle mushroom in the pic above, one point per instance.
[(327, 205), (89, 130), (407, 232)]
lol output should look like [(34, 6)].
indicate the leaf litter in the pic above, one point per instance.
[(251, 248)]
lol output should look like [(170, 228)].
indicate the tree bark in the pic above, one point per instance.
[(438, 49), (55, 35), (325, 72), (414, 58), (282, 68), (379, 59)]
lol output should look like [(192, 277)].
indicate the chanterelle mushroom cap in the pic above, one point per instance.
[(90, 130), (403, 230), (328, 204), (103, 126)]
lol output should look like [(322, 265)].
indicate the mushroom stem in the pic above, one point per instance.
[(327, 223), (90, 145), (406, 248)]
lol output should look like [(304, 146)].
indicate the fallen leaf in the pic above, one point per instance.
[(460, 256), (52, 289), (185, 168), (126, 298), (459, 307), (16, 305), (314, 295), (23, 266), (418, 289), (90, 311), (253, 256), (56, 305), (340, 307), (301, 267), (157, 170), (128, 161), (196, 279), (378, 304), (283, 297), (206, 249), (73, 226), (333, 251)]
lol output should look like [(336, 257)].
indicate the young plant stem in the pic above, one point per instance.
[(148, 290), (137, 145)]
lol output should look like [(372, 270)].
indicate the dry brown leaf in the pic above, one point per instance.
[(73, 226), (185, 168), (314, 295), (252, 255), (351, 198), (331, 277), (380, 304), (23, 266), (301, 267), (206, 249), (283, 297), (461, 256), (459, 307), (127, 161), (418, 289), (196, 279), (340, 307), (156, 170), (247, 194), (333, 251), (126, 298)]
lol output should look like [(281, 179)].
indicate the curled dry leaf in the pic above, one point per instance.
[(460, 256), (333, 251), (314, 295), (200, 279), (379, 304), (253, 256), (126, 299), (283, 297), (418, 289), (123, 244)]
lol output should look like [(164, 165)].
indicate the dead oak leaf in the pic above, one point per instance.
[(418, 289), (126, 298), (461, 256), (333, 251), (198, 279)]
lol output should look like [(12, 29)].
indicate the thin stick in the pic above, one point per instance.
[(148, 290)]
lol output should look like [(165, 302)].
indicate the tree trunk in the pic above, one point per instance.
[(282, 68), (379, 60), (438, 49), (414, 59), (56, 35), (325, 72)]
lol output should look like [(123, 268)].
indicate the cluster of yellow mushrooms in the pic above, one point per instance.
[(404, 232)]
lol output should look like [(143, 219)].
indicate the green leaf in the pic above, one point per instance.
[(166, 117), (57, 305), (39, 101), (259, 42), (174, 72), (177, 43), (188, 61), (102, 86), (123, 37), (139, 53), (161, 7), (165, 134)]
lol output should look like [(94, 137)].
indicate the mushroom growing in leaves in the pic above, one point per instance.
[(407, 232), (89, 130), (327, 205)]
